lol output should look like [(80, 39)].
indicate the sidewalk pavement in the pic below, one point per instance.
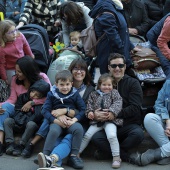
[(19, 163)]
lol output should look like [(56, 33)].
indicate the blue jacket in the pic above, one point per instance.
[(115, 27), (155, 31), (12, 6), (163, 100), (56, 100)]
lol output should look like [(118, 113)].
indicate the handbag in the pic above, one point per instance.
[(4, 91), (145, 59)]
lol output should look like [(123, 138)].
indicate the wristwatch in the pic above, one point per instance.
[(32, 103), (68, 111)]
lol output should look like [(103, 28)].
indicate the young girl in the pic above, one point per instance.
[(13, 45), (107, 99)]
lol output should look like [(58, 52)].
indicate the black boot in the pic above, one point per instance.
[(18, 150), (151, 155), (28, 151), (2, 149)]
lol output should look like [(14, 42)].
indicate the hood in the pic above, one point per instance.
[(105, 5), (81, 4), (42, 86)]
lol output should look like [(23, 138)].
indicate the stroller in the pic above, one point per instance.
[(38, 40)]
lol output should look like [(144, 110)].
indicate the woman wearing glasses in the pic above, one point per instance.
[(13, 45), (82, 82)]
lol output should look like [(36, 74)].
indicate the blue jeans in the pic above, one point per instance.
[(9, 111), (62, 148), (44, 128), (155, 127), (165, 63)]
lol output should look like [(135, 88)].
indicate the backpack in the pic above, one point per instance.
[(62, 62), (38, 40), (89, 40)]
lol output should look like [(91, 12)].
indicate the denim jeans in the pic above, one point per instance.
[(9, 111), (62, 148), (44, 128), (155, 127)]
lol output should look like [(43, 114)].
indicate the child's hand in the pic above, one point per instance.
[(91, 115), (1, 110), (26, 107), (56, 121), (64, 119)]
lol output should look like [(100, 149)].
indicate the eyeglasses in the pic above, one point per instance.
[(79, 69), (12, 32), (117, 65)]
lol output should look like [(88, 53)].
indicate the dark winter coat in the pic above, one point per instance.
[(56, 100), (155, 31), (131, 92), (154, 9), (34, 114), (136, 16), (117, 37)]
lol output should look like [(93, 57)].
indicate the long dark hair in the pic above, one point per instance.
[(73, 12), (29, 68), (81, 63)]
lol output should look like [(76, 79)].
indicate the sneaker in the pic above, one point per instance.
[(10, 148), (75, 162), (26, 153), (46, 161), (2, 149), (116, 163), (18, 150)]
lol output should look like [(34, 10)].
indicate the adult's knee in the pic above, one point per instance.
[(31, 125), (78, 129), (8, 122)]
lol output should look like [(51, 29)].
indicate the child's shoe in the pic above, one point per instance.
[(10, 148), (26, 153), (48, 162), (18, 150), (116, 162)]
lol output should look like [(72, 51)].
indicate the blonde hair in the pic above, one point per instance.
[(5, 25), (74, 33), (105, 77)]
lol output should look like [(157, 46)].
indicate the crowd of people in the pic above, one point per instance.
[(72, 112)]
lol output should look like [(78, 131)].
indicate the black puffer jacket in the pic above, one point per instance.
[(154, 9), (136, 16)]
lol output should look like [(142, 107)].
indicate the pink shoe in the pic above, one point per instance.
[(116, 163)]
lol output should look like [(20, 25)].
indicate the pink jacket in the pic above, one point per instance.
[(164, 38), (16, 90), (11, 53)]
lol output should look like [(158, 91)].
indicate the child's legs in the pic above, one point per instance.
[(54, 132), (63, 145), (77, 134), (111, 133), (9, 111), (88, 135), (9, 124), (44, 128), (30, 129)]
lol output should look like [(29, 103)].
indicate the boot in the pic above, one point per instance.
[(151, 155)]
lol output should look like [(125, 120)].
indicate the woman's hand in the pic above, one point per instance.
[(167, 130), (26, 107), (90, 115)]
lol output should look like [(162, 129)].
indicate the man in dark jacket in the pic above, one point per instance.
[(111, 22), (131, 133)]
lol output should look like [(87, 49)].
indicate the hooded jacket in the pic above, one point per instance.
[(35, 113), (117, 36), (56, 100)]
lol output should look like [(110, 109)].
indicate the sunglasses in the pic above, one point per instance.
[(79, 69), (117, 65)]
